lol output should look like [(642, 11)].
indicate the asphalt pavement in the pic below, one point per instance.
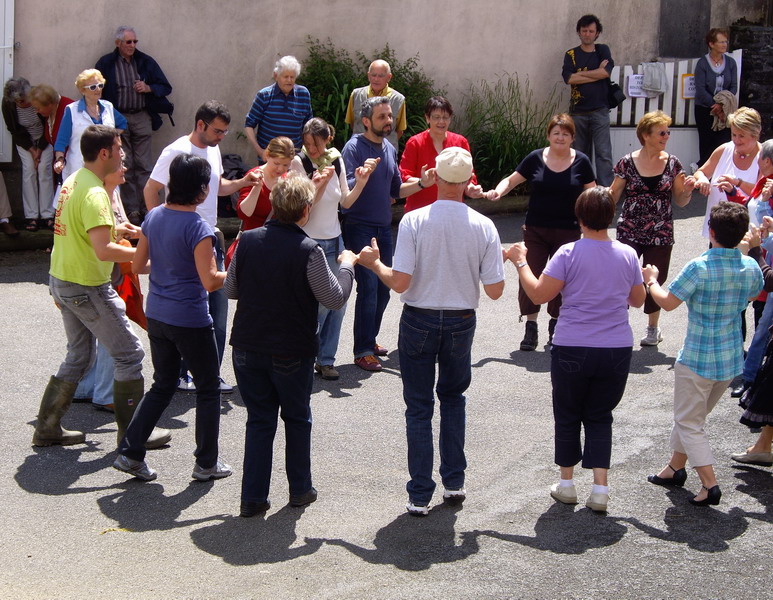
[(73, 527)]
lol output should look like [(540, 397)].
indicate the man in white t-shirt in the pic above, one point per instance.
[(444, 252), (210, 127)]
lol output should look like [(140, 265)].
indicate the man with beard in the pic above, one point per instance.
[(371, 217)]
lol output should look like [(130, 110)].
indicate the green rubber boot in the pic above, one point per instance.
[(56, 400), (126, 397)]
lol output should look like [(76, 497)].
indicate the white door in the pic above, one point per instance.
[(6, 68)]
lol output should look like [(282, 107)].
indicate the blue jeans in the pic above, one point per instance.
[(588, 384), (269, 384), (97, 384), (168, 346), (372, 295), (592, 133), (759, 342), (218, 307), (424, 340), (330, 320), (90, 312)]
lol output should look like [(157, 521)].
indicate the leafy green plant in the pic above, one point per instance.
[(331, 74), (503, 123)]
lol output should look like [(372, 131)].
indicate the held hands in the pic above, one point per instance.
[(766, 227), (348, 256), (427, 176), (369, 255), (725, 183), (516, 253), (59, 165), (254, 179), (750, 240), (127, 231), (492, 195), (650, 274), (767, 190), (363, 173), (689, 184), (474, 191)]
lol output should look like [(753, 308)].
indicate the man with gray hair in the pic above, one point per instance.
[(371, 217), (281, 109), (444, 252), (138, 88), (379, 76)]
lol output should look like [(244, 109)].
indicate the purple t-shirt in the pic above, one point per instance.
[(598, 277), (176, 295)]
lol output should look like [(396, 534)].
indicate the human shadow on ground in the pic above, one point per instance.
[(704, 529), (55, 470), (534, 362), (563, 530), (141, 506), (415, 544), (645, 358), (260, 539), (757, 483)]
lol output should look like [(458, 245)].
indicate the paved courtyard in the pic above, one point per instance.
[(73, 527)]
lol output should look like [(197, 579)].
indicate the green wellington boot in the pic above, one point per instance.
[(126, 398), (56, 400)]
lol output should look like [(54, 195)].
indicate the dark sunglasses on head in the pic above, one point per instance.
[(94, 86)]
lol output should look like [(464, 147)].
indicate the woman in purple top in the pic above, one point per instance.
[(180, 247), (599, 278)]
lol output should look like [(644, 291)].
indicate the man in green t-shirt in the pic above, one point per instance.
[(81, 265)]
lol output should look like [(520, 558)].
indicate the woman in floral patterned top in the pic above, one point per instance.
[(651, 178)]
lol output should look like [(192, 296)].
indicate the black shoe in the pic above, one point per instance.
[(678, 480), (250, 509), (530, 338), (740, 389), (551, 330), (711, 500), (304, 499)]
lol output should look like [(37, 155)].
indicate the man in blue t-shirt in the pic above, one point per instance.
[(586, 69), (371, 217)]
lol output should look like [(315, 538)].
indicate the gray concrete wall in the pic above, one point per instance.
[(226, 49)]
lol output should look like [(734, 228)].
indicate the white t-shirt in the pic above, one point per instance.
[(208, 208), (323, 219), (448, 249)]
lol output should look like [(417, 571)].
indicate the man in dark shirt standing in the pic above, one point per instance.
[(586, 69), (137, 87)]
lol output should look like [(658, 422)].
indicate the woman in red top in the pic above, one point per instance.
[(254, 207), (422, 149)]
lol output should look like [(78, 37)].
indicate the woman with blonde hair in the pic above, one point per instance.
[(89, 110), (651, 179)]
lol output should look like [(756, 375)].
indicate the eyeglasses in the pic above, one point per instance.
[(130, 42), (665, 133), (443, 117), (216, 130), (94, 86)]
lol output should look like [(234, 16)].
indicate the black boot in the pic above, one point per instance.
[(551, 330), (56, 400), (530, 338)]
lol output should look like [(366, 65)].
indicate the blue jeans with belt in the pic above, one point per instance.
[(372, 295), (426, 339)]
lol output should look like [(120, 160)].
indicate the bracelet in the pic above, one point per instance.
[(739, 180), (420, 185), (521, 264)]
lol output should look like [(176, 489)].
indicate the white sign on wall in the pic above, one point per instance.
[(635, 83), (688, 86)]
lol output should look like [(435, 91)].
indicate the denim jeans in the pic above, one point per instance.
[(90, 312), (425, 340), (759, 342), (372, 295), (588, 384), (330, 320), (270, 384), (218, 307), (168, 346), (97, 384), (592, 133)]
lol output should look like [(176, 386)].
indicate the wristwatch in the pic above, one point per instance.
[(521, 264)]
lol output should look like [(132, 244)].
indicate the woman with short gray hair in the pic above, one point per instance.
[(36, 154), (279, 110)]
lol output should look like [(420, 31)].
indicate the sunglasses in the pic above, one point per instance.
[(665, 133), (94, 86), (130, 42)]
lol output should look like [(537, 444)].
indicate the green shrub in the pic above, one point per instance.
[(503, 123), (331, 74)]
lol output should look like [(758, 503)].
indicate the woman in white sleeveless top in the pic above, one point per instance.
[(734, 162)]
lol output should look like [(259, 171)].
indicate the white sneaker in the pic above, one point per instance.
[(566, 494), (185, 383), (454, 496), (218, 471), (652, 337), (225, 388), (417, 510), (598, 502)]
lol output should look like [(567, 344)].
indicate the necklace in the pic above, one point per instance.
[(742, 156)]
